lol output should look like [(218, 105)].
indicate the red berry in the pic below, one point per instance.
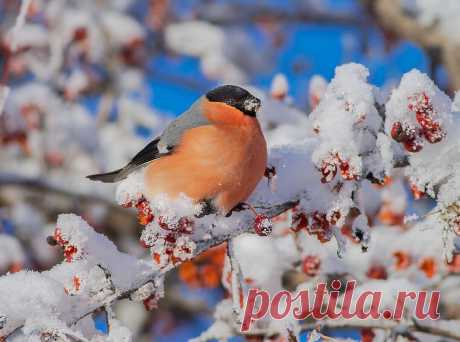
[(328, 171), (401, 132), (424, 120), (377, 272), (434, 135), (311, 265), (346, 171), (185, 225), (150, 303), (299, 222), (413, 145), (334, 217), (170, 238), (69, 252), (127, 204), (367, 335), (420, 102), (163, 222), (397, 132), (320, 227), (58, 237), (80, 33), (144, 213), (76, 283), (263, 225)]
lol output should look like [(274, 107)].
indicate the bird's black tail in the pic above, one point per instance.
[(109, 177), (148, 153)]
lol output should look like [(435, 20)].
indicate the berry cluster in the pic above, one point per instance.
[(144, 212), (263, 225), (151, 302), (427, 128), (169, 240), (332, 164), (70, 251), (76, 285), (427, 265), (319, 226)]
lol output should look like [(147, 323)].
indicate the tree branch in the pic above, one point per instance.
[(392, 17), (244, 221)]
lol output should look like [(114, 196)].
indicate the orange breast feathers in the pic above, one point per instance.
[(223, 161)]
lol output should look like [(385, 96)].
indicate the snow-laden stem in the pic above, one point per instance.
[(235, 281), (20, 21)]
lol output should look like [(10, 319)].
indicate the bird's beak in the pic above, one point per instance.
[(252, 104)]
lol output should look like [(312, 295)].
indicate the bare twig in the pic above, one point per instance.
[(392, 17)]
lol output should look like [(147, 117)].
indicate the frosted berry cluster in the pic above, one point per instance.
[(413, 135)]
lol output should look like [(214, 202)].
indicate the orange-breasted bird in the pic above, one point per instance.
[(214, 153)]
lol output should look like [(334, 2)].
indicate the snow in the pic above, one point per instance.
[(11, 252), (209, 43), (436, 161), (4, 92), (429, 13), (31, 35), (250, 250), (347, 96), (122, 29), (194, 38), (96, 249), (53, 296), (279, 87), (316, 90)]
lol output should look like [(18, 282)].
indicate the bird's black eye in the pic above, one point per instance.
[(236, 97)]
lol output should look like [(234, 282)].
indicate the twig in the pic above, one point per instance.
[(392, 17), (20, 21), (244, 225), (43, 186), (236, 280)]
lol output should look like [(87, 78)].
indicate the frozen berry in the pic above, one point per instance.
[(263, 225), (328, 171), (311, 265), (299, 222), (413, 146), (377, 272)]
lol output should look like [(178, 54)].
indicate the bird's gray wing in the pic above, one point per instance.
[(160, 146), (191, 118)]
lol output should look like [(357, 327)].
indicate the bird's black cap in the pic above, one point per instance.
[(236, 97)]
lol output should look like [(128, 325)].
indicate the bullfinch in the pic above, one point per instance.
[(215, 152)]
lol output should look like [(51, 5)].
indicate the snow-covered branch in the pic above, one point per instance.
[(95, 275)]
